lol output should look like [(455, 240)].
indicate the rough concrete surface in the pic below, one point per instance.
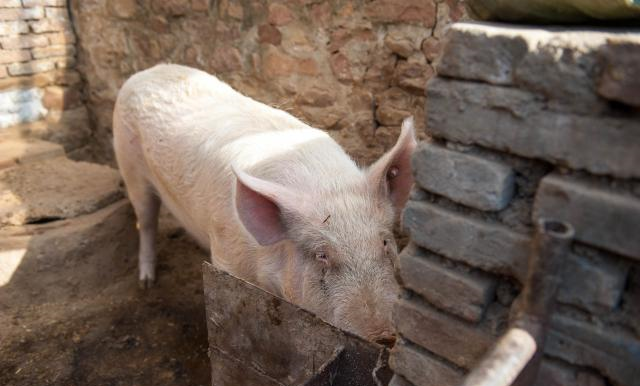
[(83, 320), (56, 189), (20, 151)]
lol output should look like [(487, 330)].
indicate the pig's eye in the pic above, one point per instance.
[(322, 257), (385, 242)]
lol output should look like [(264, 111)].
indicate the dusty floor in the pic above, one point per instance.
[(109, 332)]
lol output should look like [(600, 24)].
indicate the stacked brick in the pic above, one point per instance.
[(353, 67), (40, 92), (526, 123)]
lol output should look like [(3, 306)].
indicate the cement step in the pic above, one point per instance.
[(16, 151), (55, 189), (43, 263)]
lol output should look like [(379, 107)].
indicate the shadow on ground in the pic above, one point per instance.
[(85, 322)]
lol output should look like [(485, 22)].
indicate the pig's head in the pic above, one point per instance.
[(341, 240)]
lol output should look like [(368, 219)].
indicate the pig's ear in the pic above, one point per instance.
[(259, 204), (391, 174)]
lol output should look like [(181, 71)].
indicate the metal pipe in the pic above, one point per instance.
[(544, 276), (505, 361), (516, 357)]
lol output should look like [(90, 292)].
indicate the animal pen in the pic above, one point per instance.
[(522, 262)]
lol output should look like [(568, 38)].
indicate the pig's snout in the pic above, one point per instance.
[(381, 332), (368, 314)]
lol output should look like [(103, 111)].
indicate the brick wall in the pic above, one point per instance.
[(525, 123), (40, 92), (353, 67)]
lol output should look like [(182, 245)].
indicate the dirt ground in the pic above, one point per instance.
[(82, 331)]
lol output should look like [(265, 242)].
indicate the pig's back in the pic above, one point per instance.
[(187, 112), (192, 127)]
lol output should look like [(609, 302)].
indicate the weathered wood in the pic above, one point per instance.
[(256, 338)]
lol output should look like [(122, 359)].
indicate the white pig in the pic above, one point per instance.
[(277, 202)]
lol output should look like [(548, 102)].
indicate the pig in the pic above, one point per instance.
[(276, 202)]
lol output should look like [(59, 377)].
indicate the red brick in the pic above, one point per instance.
[(402, 11), (393, 106), (65, 61), (35, 80), (14, 56), (200, 5), (171, 7), (235, 10), (321, 13), (23, 41), (123, 9), (13, 27), (279, 14), (275, 63), (11, 4), (341, 67), (66, 77), (61, 98), (50, 51), (50, 3), (21, 13), (316, 96), (412, 76), (31, 67), (58, 38), (226, 58), (431, 48), (399, 44), (268, 33), (56, 13), (50, 25)]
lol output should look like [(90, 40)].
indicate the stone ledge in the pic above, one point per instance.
[(601, 217), (465, 178), (615, 355), (397, 380), (529, 58), (490, 247), (555, 373), (595, 286), (104, 240), (448, 337), (19, 151), (70, 128), (57, 189), (464, 294), (58, 77), (421, 368), (517, 121), (620, 78)]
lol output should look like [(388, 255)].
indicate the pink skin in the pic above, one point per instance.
[(277, 203), (343, 244)]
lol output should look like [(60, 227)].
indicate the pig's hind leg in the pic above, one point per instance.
[(147, 206), (145, 201)]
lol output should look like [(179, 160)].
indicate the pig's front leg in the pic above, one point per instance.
[(147, 206)]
